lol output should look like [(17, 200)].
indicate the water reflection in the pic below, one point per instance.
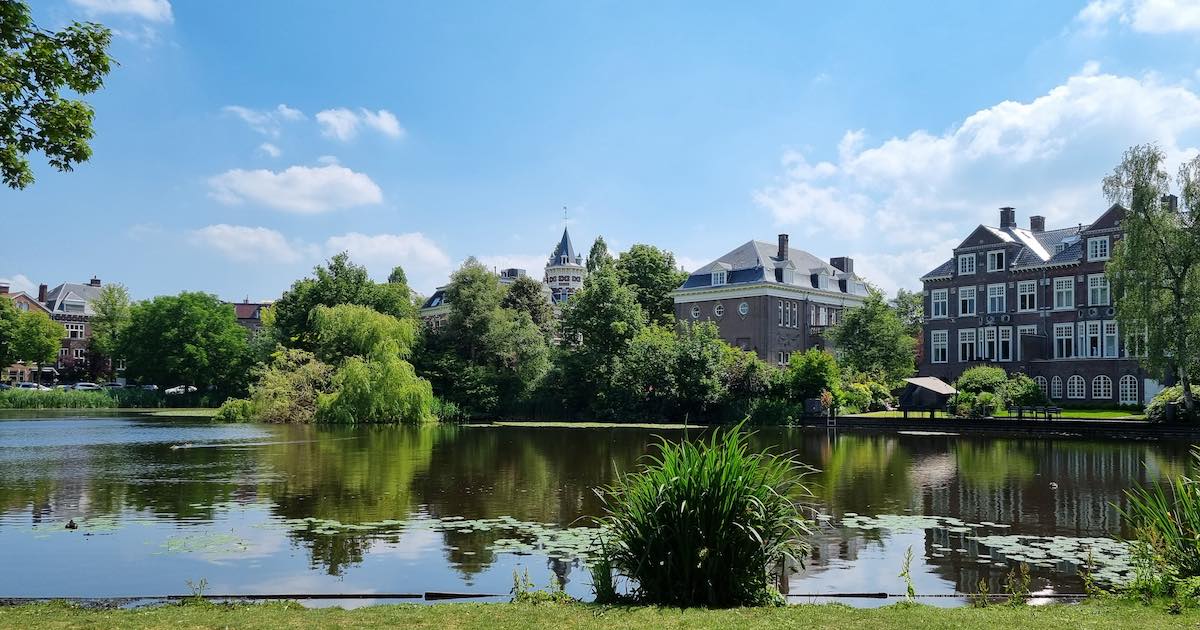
[(254, 482)]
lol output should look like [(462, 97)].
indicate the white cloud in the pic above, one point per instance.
[(343, 124), (152, 10), (417, 253), (533, 264), (300, 189), (921, 193), (249, 244), (265, 121), (20, 282), (269, 149), (1145, 16)]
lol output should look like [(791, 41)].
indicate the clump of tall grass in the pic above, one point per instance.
[(103, 399), (706, 523), (1166, 521)]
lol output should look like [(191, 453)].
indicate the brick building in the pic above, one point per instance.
[(1034, 301)]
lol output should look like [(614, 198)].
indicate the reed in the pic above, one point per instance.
[(1166, 517)]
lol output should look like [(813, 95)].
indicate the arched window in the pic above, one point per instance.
[(1128, 390), (1056, 388), (1102, 388), (1043, 385), (1075, 387)]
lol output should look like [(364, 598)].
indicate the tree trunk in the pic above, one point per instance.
[(1185, 380)]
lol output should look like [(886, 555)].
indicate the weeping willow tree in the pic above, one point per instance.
[(1155, 268)]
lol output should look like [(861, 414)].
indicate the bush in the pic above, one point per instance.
[(856, 398), (287, 391), (982, 378), (1156, 411), (1024, 391), (381, 388), (811, 373), (705, 523), (104, 399)]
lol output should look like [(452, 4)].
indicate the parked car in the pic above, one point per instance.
[(114, 386), (150, 388), (87, 386), (61, 388), (33, 386), (182, 389)]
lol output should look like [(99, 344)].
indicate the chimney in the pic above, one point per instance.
[(3, 289), (1037, 224), (1171, 202), (783, 247), (42, 288), (842, 263), (1008, 217), (95, 282)]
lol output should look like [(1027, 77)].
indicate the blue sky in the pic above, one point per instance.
[(240, 143)]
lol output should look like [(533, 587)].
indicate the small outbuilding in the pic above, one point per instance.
[(925, 393)]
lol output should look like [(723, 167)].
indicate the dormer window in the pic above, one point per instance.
[(718, 278), (1098, 248), (995, 260), (562, 260)]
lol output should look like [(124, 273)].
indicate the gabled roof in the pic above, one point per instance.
[(1036, 249), (437, 299), (756, 261), (28, 298), (1109, 219), (565, 248), (60, 296)]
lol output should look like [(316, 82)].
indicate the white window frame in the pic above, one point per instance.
[(939, 346), (71, 329), (1093, 339), (1042, 385), (781, 313), (719, 310), (744, 309), (719, 278), (966, 341), (988, 343), (1112, 337), (1056, 388), (78, 354), (1076, 387), (998, 291), (1064, 332), (1004, 343), (995, 260), (966, 264), (1097, 288), (1127, 389), (695, 311), (939, 297), (1099, 248), (963, 294), (1064, 293), (1102, 388), (1027, 289)]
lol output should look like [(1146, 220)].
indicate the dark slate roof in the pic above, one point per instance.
[(1036, 248), (941, 270), (565, 248), (1072, 254), (756, 261), (68, 292), (437, 299)]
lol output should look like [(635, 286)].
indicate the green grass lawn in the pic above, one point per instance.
[(1107, 615), (1087, 414)]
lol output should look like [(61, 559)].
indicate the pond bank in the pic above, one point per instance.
[(1105, 615), (1066, 427)]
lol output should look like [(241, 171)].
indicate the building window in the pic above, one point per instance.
[(1064, 293), (995, 260), (74, 331), (119, 364), (966, 344), (1027, 295), (781, 313), (788, 315), (987, 343), (1092, 341), (744, 309), (1021, 332), (966, 300), (1110, 339), (62, 353), (1102, 388), (719, 310), (783, 357), (1056, 388), (996, 294), (966, 264), (832, 317), (1005, 344), (1128, 390), (822, 315), (1064, 341), (1075, 387), (1042, 385), (1098, 248), (695, 311), (1135, 344), (718, 278), (79, 353), (940, 342), (812, 315), (22, 306), (939, 303), (1097, 290)]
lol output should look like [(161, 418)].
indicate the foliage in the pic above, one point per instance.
[(524, 592), (652, 276), (1023, 391), (1166, 520), (598, 324), (474, 295), (910, 591), (598, 256), (105, 399), (36, 338), (644, 379), (982, 378), (348, 330), (9, 315), (1155, 266), (110, 316), (339, 281), (812, 372), (872, 338), (287, 390), (37, 67), (910, 308), (700, 363), (379, 388), (528, 296), (189, 339), (1016, 584), (1156, 411), (705, 523)]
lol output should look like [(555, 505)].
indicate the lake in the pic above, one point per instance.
[(306, 509)]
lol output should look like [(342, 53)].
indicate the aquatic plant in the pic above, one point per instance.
[(910, 592), (1166, 518), (704, 523)]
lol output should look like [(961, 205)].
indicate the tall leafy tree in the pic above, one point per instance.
[(651, 273), (111, 309), (348, 330), (872, 339), (8, 330), (37, 339), (39, 69), (602, 317), (186, 339), (528, 296), (910, 308), (599, 255), (474, 295), (1155, 267)]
